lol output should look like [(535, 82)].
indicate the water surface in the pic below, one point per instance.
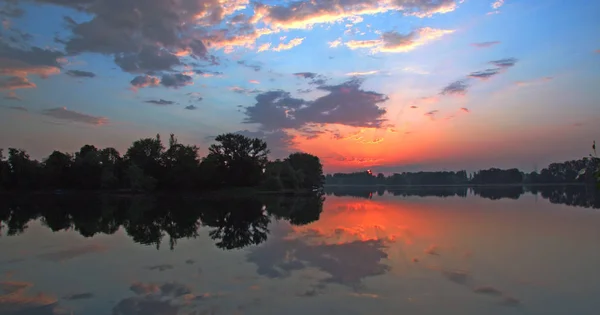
[(404, 251)]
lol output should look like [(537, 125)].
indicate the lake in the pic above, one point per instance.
[(437, 250)]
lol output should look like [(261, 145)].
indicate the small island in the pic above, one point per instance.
[(234, 164)]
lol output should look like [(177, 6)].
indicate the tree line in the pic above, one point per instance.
[(233, 161), (583, 171)]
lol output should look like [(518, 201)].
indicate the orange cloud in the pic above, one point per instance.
[(254, 81)]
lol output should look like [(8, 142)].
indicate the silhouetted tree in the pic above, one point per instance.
[(147, 155), (24, 173), (57, 170), (310, 167), (181, 164), (240, 160)]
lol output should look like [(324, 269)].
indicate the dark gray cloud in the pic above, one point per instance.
[(504, 63), (485, 44), (254, 66), (456, 88), (304, 91), (176, 80), (485, 74), (149, 59), (11, 10), (241, 90), (81, 74), (160, 102), (23, 62), (79, 296), (191, 107), (162, 267), (64, 114), (457, 276), (11, 95), (345, 104), (314, 78), (144, 81), (488, 290), (19, 108)]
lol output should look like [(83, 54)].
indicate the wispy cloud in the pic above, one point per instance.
[(533, 82), (65, 114), (497, 4), (80, 74), (160, 102), (362, 73), (254, 81), (289, 45), (394, 42), (456, 88), (485, 44), (191, 107), (335, 43)]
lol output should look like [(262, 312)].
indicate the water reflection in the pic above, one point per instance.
[(233, 223), (374, 254), (572, 195)]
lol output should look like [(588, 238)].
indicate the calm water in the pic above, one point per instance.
[(434, 251)]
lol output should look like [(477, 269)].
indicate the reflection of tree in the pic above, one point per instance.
[(581, 196), (499, 192), (237, 223), (234, 223)]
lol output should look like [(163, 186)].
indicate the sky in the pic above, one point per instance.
[(389, 85)]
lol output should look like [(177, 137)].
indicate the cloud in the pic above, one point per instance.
[(144, 81), (431, 114), (289, 45), (455, 88), (485, 74), (335, 43), (485, 44), (79, 296), (64, 114), (254, 66), (254, 81), (362, 73), (457, 276), (24, 62), (176, 80), (18, 108), (464, 109), (71, 253), (154, 299), (504, 63), (345, 104), (394, 42), (488, 290), (533, 82), (264, 47), (191, 107), (13, 83), (160, 102), (497, 4), (80, 74), (315, 78), (11, 95), (241, 90), (162, 267), (305, 14)]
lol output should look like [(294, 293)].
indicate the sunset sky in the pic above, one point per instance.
[(391, 85)]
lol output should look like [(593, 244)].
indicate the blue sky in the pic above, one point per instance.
[(391, 85)]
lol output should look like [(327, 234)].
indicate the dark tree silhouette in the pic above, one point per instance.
[(310, 167), (239, 159)]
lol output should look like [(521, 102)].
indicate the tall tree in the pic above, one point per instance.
[(241, 160), (57, 170), (147, 155), (87, 167), (311, 168), (23, 171), (181, 165)]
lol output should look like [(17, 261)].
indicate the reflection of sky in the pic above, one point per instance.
[(384, 255), (429, 44)]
